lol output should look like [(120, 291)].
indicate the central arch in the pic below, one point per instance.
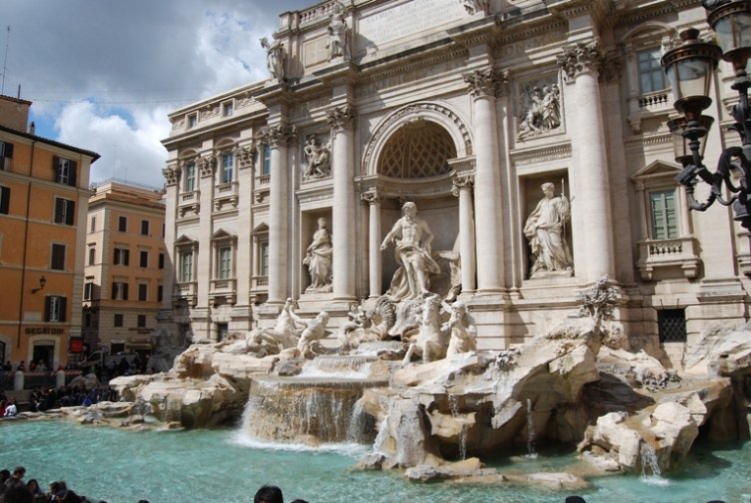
[(405, 122)]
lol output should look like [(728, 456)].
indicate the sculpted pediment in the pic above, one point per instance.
[(657, 169)]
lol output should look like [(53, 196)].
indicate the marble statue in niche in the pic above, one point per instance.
[(318, 158), (338, 44), (275, 57), (412, 239), (542, 111), (545, 229), (318, 259)]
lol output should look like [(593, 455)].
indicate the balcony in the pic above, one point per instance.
[(223, 291), (259, 283), (226, 197), (189, 204), (668, 254), (186, 291), (650, 105)]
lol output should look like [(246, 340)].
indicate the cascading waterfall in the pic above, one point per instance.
[(530, 432), (304, 409), (650, 466), (454, 408)]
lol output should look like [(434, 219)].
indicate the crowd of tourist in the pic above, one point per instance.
[(13, 489), (44, 399)]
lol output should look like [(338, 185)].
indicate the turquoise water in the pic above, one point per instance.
[(221, 466)]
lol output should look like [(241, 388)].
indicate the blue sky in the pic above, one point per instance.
[(104, 74)]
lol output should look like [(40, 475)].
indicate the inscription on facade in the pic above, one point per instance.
[(408, 18)]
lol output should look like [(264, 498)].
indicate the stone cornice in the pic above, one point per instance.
[(639, 14), (542, 154)]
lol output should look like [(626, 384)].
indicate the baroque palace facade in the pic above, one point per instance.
[(530, 135)]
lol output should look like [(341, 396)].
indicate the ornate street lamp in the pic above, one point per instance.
[(690, 67)]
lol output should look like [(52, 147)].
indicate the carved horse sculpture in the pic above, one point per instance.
[(430, 343)]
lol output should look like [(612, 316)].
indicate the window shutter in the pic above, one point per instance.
[(63, 308), (4, 200), (47, 307), (114, 290), (659, 227), (6, 150), (56, 167), (72, 175), (125, 291), (69, 214)]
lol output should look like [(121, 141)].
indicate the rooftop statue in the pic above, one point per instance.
[(338, 43), (412, 240), (275, 58)]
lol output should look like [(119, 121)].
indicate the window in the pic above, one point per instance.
[(4, 200), (118, 320), (93, 224), (224, 263), (92, 255), (6, 154), (88, 290), (144, 227), (263, 259), (664, 218), (192, 120), (227, 108), (186, 266), (266, 160), (143, 259), (122, 256), (64, 211), (141, 321), (143, 292), (672, 325), (119, 290), (57, 261), (54, 308), (651, 73), (122, 224), (228, 161), (189, 177), (65, 171), (221, 331), (161, 260), (159, 293)]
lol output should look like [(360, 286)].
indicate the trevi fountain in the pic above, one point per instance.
[(399, 395)]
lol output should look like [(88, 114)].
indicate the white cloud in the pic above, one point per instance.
[(131, 153)]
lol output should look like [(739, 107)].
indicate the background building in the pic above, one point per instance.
[(43, 203), (125, 263), (466, 108)]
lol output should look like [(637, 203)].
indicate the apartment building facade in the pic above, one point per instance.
[(125, 261), (43, 204)]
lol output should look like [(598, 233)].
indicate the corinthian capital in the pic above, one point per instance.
[(207, 165), (247, 155), (370, 196), (460, 182), (583, 57), (486, 82), (280, 135), (171, 174), (340, 118)]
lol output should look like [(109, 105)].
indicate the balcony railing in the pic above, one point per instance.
[(648, 105), (655, 254)]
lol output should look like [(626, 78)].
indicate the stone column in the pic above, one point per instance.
[(171, 176), (343, 218), (591, 212), (374, 242), (278, 138), (462, 188), (483, 87)]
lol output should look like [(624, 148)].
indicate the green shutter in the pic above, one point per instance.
[(664, 215)]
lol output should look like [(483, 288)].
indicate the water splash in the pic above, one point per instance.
[(531, 453), (650, 467)]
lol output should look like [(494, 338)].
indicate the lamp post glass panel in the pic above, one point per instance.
[(690, 68)]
